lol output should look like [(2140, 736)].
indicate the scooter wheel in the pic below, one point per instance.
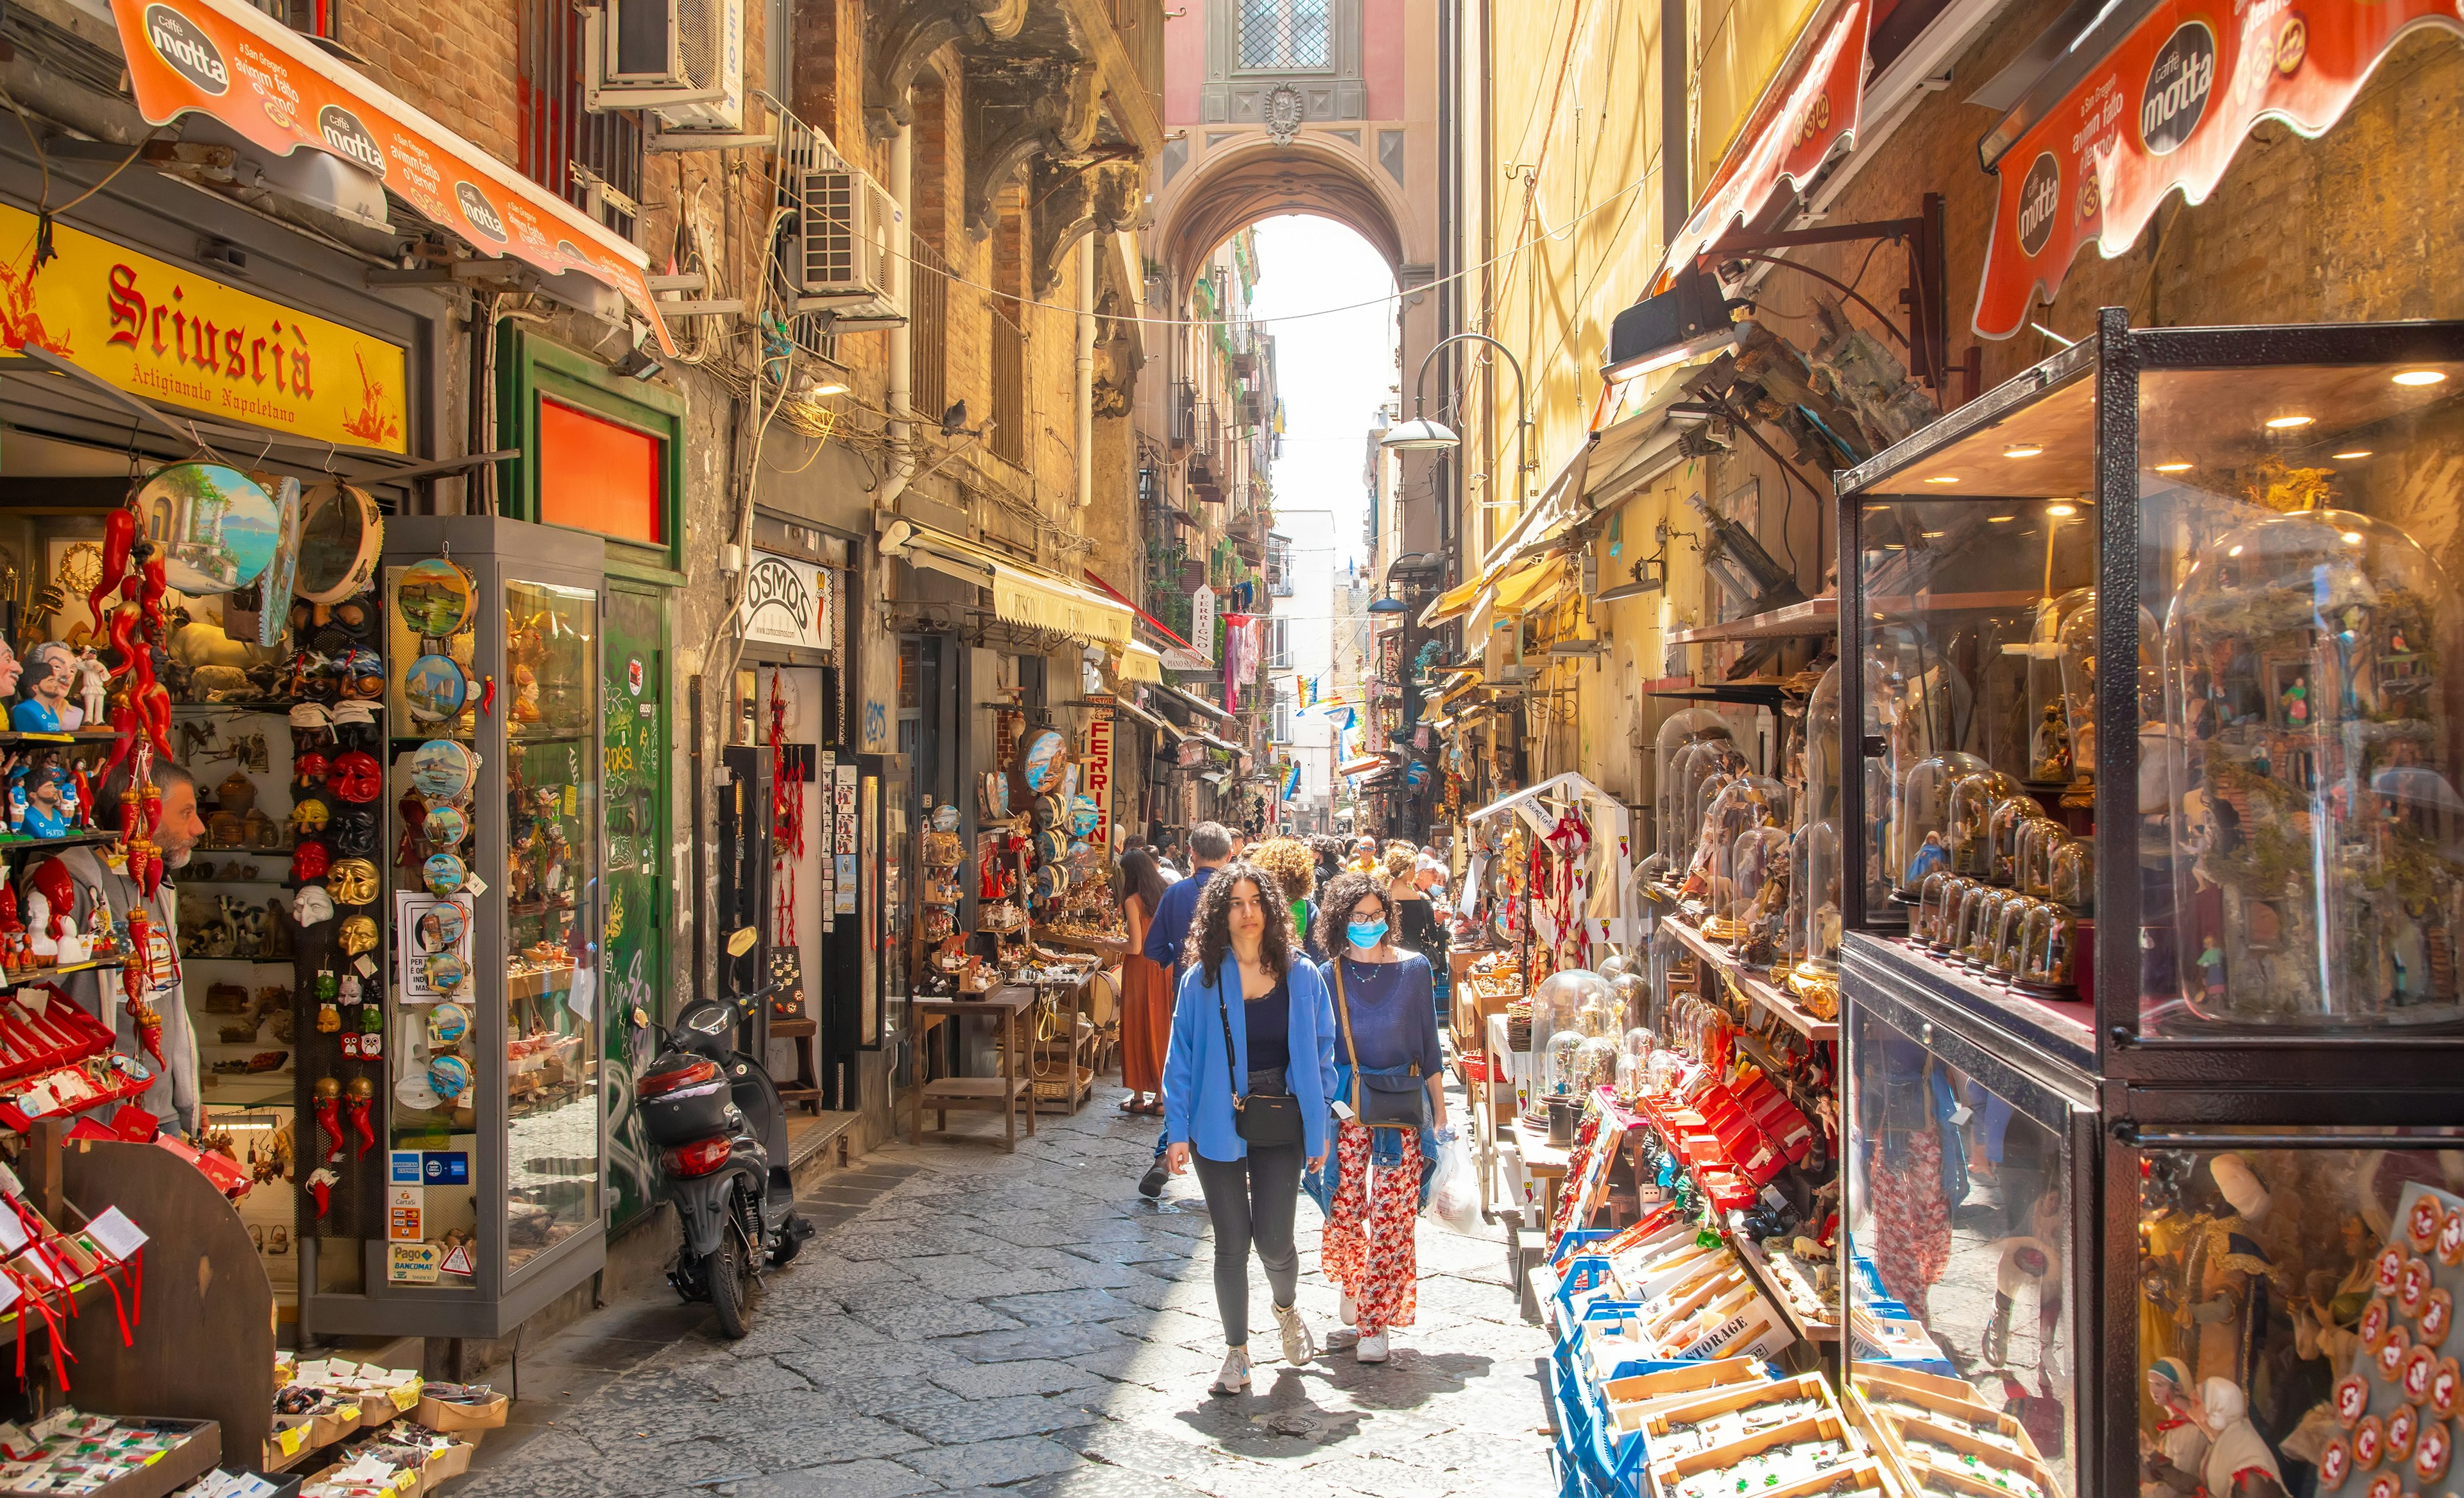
[(729, 1271), (786, 1241)]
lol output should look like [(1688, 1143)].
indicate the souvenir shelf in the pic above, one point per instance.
[(486, 1093), (2153, 1022)]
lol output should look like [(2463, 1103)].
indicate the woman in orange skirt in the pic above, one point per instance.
[(1146, 990)]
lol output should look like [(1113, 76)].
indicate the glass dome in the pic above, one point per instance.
[(1610, 965), (1667, 958), (2008, 923), (1631, 1071), (2318, 838), (1972, 800), (1921, 822), (1978, 910), (2072, 881), (1697, 762), (1672, 802), (1560, 1075), (1634, 997), (2011, 817), (2038, 840), (1758, 896), (1743, 802), (1813, 896), (1568, 1002), (2079, 671), (2049, 952), (2049, 742), (1941, 886), (1595, 1065)]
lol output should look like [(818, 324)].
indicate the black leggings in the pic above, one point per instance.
[(1252, 1201)]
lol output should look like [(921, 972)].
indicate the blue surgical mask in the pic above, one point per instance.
[(1366, 934)]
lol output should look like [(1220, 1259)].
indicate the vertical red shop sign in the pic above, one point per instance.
[(1099, 776)]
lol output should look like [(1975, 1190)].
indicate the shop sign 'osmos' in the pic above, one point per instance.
[(787, 602)]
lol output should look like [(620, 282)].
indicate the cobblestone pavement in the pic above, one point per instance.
[(969, 1320)]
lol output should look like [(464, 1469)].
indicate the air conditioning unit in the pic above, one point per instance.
[(683, 60), (842, 257)]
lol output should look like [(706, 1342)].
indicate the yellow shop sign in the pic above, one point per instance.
[(170, 335)]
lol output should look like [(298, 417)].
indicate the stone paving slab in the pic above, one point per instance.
[(1027, 1326)]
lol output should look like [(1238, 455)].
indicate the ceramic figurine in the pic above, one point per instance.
[(45, 708), (47, 812), (95, 683)]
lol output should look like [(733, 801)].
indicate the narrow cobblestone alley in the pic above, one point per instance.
[(968, 1320)]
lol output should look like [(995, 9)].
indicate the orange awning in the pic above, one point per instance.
[(277, 89), (1810, 108)]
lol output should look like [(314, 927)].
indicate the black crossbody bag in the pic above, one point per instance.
[(1262, 1121)]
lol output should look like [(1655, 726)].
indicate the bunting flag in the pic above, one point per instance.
[(1292, 782)]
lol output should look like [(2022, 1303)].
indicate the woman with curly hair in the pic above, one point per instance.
[(1295, 867), (1415, 919), (1385, 1043), (1249, 1022)]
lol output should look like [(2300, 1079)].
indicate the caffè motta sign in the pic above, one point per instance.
[(167, 334)]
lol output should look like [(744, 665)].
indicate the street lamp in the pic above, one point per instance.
[(1425, 434)]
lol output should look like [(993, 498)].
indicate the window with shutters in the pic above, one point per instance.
[(592, 160)]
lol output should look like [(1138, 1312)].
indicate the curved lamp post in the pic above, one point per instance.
[(1426, 434)]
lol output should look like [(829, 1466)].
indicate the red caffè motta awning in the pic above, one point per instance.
[(2168, 109), (1810, 108), (265, 81)]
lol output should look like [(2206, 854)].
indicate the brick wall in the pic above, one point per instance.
[(453, 59)]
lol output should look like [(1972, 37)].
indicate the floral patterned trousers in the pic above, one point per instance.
[(1368, 1246)]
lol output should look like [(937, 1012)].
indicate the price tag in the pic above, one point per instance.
[(475, 884)]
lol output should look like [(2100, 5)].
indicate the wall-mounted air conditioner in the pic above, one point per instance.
[(683, 60), (842, 257)]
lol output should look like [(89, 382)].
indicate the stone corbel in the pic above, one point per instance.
[(1073, 202), (908, 33), (1018, 113)]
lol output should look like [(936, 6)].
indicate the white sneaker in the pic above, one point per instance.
[(1234, 1376), (1298, 1346), (1371, 1348), (1351, 1309)]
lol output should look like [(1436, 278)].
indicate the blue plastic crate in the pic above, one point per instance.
[(1575, 1238)]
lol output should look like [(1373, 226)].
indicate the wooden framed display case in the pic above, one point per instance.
[(492, 1120), (2152, 1008)]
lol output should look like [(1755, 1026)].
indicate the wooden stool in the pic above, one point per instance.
[(806, 1089)]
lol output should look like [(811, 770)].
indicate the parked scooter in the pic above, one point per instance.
[(722, 1135)]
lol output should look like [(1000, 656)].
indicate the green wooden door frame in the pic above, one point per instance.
[(529, 367), (638, 945)]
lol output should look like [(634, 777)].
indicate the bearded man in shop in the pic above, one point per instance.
[(97, 875)]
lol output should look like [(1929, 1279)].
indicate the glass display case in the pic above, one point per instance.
[(1671, 808), (2161, 1126), (491, 1116), (1743, 805)]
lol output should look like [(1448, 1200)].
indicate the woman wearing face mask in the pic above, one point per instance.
[(1391, 1075), (1248, 1026)]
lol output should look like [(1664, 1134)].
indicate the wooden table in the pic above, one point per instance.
[(1009, 1093)]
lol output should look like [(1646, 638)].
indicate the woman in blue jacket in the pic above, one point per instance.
[(1243, 984)]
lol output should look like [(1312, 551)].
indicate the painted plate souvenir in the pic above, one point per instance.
[(445, 828), (218, 527), (340, 533), (450, 1076), (1040, 757), (275, 608), (435, 689), (446, 973), (945, 817), (412, 1092), (444, 873), (442, 928), (434, 597), (447, 1023), (442, 770)]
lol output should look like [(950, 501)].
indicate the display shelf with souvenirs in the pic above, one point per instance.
[(456, 1129), (2168, 942)]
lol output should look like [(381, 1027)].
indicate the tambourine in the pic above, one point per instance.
[(444, 873), (356, 777), (450, 1076), (353, 881), (442, 928), (434, 597), (273, 606), (442, 770), (435, 689), (445, 972), (220, 528), (447, 1023), (445, 828), (340, 533)]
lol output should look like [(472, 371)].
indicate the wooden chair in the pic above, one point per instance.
[(806, 1088)]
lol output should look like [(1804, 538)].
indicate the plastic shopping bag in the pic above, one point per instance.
[(1454, 1192)]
